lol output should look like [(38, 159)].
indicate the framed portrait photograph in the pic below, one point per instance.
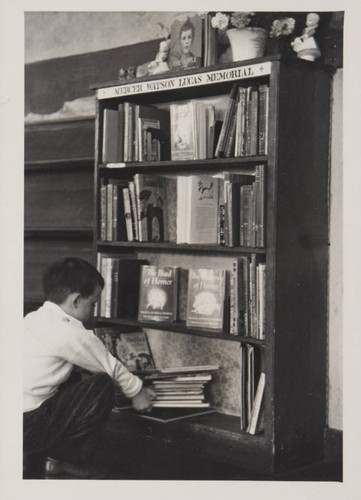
[(186, 44)]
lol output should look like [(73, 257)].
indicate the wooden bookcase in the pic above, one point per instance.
[(296, 253), (59, 159)]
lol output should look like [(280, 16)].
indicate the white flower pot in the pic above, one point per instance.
[(247, 43)]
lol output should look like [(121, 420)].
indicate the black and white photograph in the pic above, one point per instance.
[(254, 383)]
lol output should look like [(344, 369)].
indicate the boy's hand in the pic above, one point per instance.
[(142, 402)]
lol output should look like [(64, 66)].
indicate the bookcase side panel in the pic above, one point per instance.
[(301, 266)]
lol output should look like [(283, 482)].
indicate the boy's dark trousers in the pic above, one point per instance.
[(67, 426)]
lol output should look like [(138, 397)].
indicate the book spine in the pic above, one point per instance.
[(130, 144), (128, 214), (230, 139), (252, 427), (121, 131), (261, 211), (243, 416), (241, 122), (126, 131), (254, 123), (134, 210), (109, 219), (98, 266), (142, 219), (262, 301), (233, 299), (136, 133), (256, 208), (253, 295), (115, 212), (103, 213), (225, 127), (245, 295), (263, 119), (114, 294), (250, 380), (221, 223), (109, 263), (110, 136)]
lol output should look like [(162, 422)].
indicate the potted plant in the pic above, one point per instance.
[(281, 36), (247, 42)]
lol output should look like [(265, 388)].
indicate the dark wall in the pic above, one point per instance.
[(48, 84)]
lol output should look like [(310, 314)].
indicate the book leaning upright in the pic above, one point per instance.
[(197, 209)]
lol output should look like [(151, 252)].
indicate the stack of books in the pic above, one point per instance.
[(181, 387)]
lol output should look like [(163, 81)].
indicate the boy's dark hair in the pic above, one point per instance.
[(187, 25), (70, 275)]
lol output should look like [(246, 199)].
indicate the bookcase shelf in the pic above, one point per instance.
[(55, 232), (178, 327), (174, 247), (59, 196), (296, 171), (211, 163), (68, 164)]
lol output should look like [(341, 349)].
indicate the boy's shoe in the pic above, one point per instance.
[(58, 469)]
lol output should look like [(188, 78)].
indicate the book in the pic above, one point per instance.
[(134, 209), (128, 214), (210, 42), (110, 145), (232, 101), (148, 143), (206, 299), (116, 222), (158, 294), (150, 191), (183, 131), (236, 292), (121, 276), (263, 119), (102, 212), (257, 404), (241, 123), (261, 300), (156, 122), (232, 187), (186, 49), (133, 350), (180, 404), (243, 415), (197, 209), (107, 336), (251, 139), (250, 373)]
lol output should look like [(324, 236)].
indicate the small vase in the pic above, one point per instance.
[(247, 43)]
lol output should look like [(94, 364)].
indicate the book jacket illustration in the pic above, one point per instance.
[(206, 296), (186, 43), (151, 197), (133, 351), (158, 294)]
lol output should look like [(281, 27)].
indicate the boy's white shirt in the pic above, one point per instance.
[(53, 343)]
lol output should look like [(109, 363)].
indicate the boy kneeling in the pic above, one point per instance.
[(63, 417)]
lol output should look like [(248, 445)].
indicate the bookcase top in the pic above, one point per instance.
[(176, 81)]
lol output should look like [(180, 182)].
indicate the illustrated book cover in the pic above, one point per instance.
[(206, 298), (158, 294)]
